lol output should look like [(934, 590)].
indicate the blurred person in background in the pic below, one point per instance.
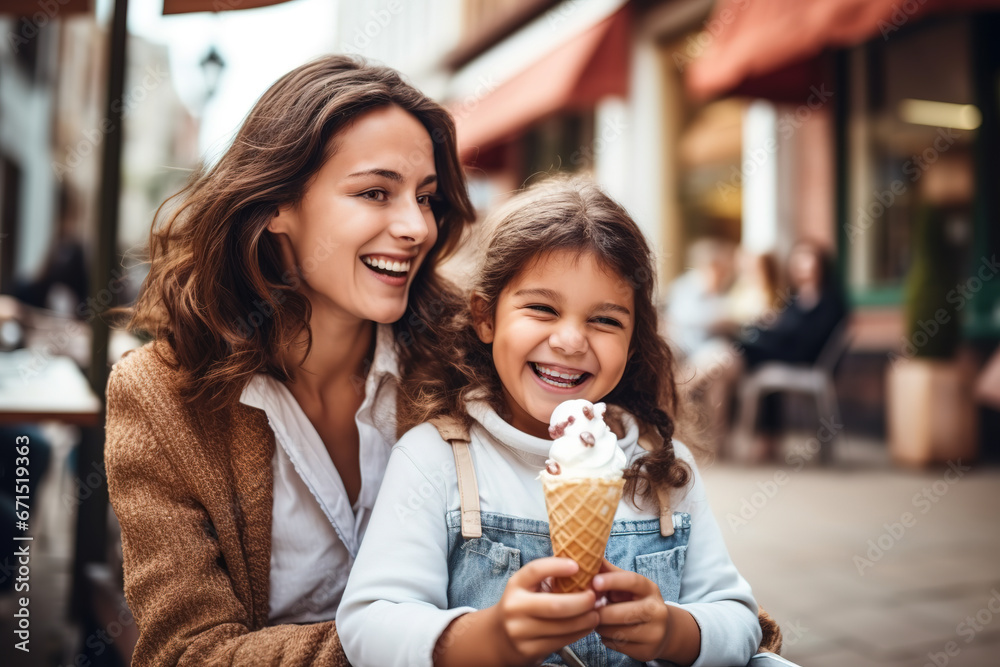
[(293, 299), (700, 327), (815, 308), (698, 313), (799, 332), (63, 283), (754, 294)]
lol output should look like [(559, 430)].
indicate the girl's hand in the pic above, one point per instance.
[(637, 622), (535, 623)]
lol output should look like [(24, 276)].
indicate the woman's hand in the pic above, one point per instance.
[(526, 625), (637, 622)]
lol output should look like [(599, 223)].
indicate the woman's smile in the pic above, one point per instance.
[(390, 270)]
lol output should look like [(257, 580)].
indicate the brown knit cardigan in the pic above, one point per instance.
[(194, 493)]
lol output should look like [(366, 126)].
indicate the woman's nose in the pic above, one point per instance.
[(412, 223), (568, 338)]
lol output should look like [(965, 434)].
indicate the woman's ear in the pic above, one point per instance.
[(282, 221), (480, 320)]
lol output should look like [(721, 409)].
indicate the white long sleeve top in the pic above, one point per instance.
[(394, 608)]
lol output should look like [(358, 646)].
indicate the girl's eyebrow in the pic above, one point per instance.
[(541, 292), (616, 308), (552, 295)]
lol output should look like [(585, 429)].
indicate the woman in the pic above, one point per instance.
[(798, 333), (817, 306), (292, 296)]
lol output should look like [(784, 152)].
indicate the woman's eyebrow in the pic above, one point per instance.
[(394, 176), (384, 173)]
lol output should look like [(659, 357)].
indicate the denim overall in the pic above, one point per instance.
[(485, 549)]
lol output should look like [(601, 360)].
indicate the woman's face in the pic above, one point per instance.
[(803, 267), (364, 224)]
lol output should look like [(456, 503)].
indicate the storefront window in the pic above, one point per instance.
[(911, 132)]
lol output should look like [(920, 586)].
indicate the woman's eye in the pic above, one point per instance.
[(427, 200), (608, 321), (544, 309), (374, 195)]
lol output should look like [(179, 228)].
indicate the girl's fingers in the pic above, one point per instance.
[(537, 628), (618, 634), (623, 581), (553, 605), (636, 612), (535, 572), (607, 566)]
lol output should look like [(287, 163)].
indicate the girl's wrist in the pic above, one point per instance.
[(476, 637), (682, 637)]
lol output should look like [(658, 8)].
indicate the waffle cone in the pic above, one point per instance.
[(581, 512)]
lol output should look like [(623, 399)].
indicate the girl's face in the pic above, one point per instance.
[(562, 330), (365, 223)]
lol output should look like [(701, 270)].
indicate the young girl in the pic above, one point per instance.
[(562, 309)]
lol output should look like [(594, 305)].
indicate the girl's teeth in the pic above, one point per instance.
[(553, 377), (381, 264), (553, 373)]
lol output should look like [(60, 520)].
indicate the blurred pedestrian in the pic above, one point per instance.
[(754, 294), (63, 282), (293, 294), (697, 313), (799, 332), (814, 310), (700, 326)]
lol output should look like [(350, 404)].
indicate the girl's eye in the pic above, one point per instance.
[(609, 321), (374, 195), (427, 200), (542, 308)]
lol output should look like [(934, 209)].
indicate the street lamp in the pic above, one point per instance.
[(211, 66)]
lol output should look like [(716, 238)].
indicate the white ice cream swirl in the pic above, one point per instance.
[(583, 445)]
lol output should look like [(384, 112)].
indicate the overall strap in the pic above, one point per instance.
[(650, 439), (452, 430)]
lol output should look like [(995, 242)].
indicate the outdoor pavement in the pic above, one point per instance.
[(863, 563)]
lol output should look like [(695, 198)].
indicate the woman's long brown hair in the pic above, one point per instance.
[(575, 215), (217, 290)]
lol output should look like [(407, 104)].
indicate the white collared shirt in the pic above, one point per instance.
[(315, 531)]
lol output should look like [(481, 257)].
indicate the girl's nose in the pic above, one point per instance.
[(568, 339)]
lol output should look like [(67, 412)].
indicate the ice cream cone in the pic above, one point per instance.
[(581, 511)]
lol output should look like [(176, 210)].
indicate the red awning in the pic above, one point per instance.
[(575, 75), (748, 40), (188, 6), (30, 8)]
